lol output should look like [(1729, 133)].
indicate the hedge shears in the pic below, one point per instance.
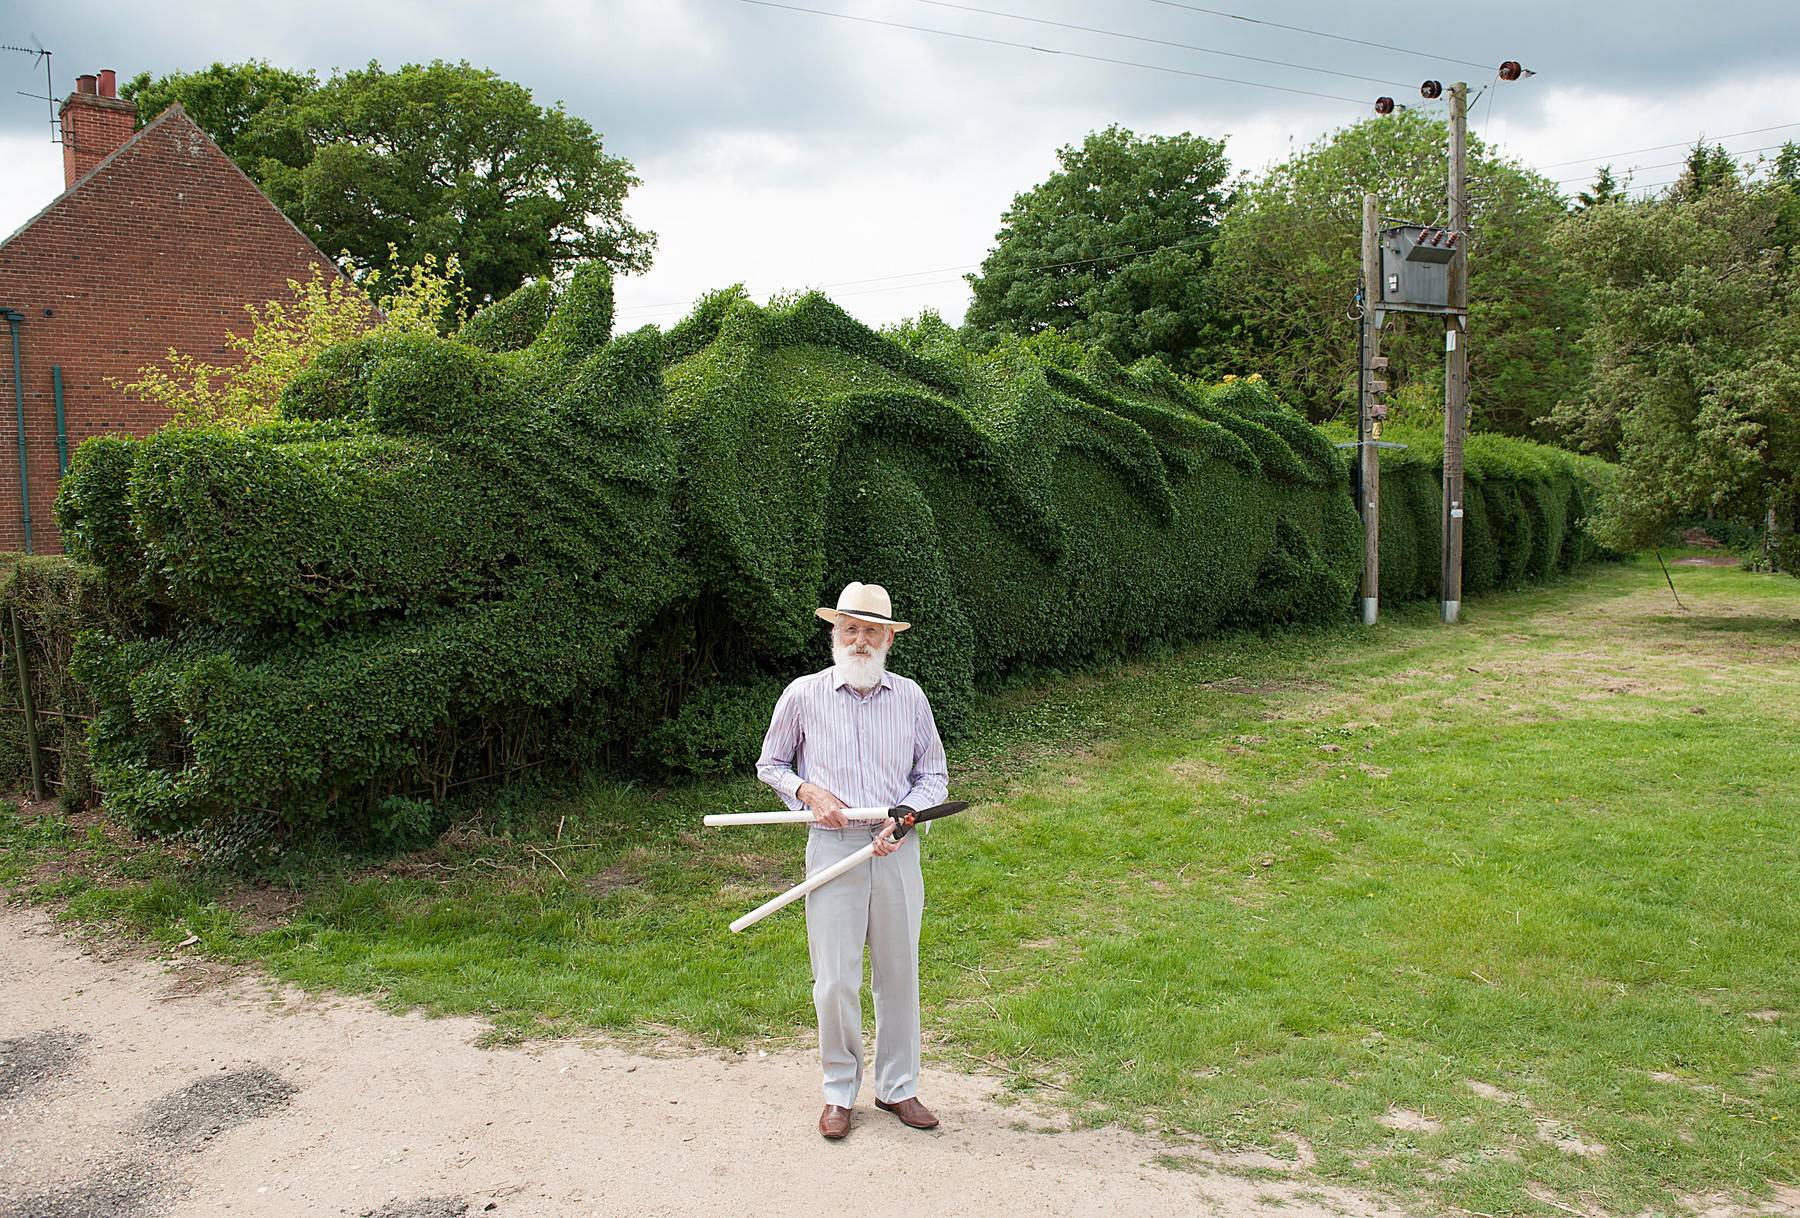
[(902, 818)]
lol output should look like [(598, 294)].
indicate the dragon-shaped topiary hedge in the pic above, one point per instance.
[(539, 542)]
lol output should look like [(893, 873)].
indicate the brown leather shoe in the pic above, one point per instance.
[(910, 1112), (834, 1122)]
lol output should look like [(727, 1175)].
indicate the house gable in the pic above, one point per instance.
[(161, 245)]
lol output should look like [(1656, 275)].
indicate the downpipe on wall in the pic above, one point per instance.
[(14, 319)]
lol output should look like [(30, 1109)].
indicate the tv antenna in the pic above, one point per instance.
[(37, 52)]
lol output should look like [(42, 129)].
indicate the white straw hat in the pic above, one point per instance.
[(865, 602)]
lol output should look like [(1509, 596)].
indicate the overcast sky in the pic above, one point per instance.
[(788, 150)]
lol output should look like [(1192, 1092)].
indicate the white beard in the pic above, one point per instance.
[(861, 671)]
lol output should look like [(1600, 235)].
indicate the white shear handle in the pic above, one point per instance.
[(802, 817), (807, 885)]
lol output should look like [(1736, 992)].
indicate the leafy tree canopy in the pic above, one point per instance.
[(1289, 257), (1695, 348), (434, 160), (224, 99), (1112, 249)]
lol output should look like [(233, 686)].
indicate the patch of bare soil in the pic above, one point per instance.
[(264, 1100), (617, 878), (1405, 1120), (262, 907), (1784, 1203), (1550, 1130)]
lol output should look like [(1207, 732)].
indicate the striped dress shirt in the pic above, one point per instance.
[(877, 749)]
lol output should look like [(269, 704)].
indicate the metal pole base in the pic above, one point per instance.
[(1369, 606), (1449, 609)]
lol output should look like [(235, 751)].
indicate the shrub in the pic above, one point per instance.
[(285, 337), (539, 542), (1526, 509), (1090, 512), (55, 599), (418, 577)]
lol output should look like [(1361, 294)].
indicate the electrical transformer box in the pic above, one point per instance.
[(1415, 267)]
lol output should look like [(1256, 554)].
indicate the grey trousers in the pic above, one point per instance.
[(878, 904)]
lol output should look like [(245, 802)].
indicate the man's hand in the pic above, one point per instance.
[(884, 841), (827, 809)]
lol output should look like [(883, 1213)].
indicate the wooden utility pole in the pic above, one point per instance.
[(1456, 361), (1368, 422)]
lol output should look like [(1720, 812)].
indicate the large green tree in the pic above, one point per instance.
[(1289, 258), (225, 100), (1112, 249), (1695, 352), (433, 159)]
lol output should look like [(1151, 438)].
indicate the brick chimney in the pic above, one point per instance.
[(95, 121)]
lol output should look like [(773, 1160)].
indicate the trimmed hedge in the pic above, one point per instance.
[(1088, 514), (425, 571), (1525, 508), (538, 542)]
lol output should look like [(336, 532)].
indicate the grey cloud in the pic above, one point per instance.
[(665, 80)]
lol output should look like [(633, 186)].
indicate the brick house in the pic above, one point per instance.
[(158, 240)]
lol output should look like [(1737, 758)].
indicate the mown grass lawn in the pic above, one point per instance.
[(1501, 917)]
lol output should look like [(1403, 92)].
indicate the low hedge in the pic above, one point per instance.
[(1525, 508), (539, 542), (55, 599)]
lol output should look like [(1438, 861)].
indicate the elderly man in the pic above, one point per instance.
[(858, 736)]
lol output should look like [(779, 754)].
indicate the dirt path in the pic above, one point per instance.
[(125, 1093)]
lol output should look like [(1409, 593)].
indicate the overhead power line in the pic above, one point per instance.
[(1300, 29), (1583, 160), (1161, 42), (1589, 176), (1024, 46)]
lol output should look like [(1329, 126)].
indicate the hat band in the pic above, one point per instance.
[(868, 615)]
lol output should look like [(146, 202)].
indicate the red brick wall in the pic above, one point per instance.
[(162, 247)]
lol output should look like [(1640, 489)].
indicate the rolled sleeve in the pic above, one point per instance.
[(781, 744), (929, 781)]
